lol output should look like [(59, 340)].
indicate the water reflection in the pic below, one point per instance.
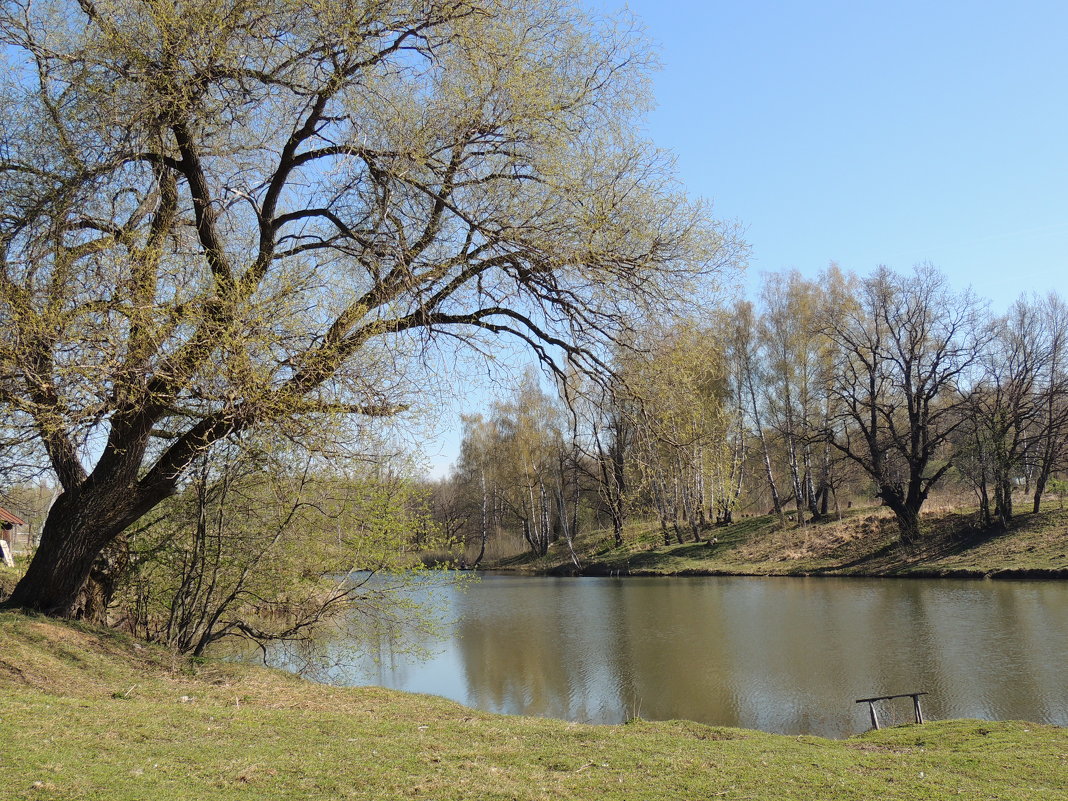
[(783, 655)]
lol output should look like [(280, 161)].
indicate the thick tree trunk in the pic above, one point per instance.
[(907, 512), (908, 521), (56, 579), (81, 555)]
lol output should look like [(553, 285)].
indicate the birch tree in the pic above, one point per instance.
[(1051, 437), (683, 417)]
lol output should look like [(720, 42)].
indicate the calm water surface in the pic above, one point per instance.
[(784, 655)]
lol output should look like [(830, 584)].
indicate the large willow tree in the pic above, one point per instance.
[(224, 214)]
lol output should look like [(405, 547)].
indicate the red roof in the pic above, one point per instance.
[(7, 517)]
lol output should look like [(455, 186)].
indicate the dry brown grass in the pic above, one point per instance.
[(821, 540), (862, 542)]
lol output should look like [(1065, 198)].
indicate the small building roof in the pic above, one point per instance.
[(8, 517)]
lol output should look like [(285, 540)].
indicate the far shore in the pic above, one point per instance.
[(862, 543)]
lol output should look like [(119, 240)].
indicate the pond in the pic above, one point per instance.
[(786, 655)]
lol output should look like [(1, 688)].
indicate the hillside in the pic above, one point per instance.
[(88, 714), (862, 543)]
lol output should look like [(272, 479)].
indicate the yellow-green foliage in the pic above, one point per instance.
[(238, 215), (263, 548)]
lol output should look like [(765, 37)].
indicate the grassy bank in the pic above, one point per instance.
[(87, 714), (9, 577), (862, 543)]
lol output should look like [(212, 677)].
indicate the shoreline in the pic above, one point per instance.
[(863, 545), (93, 713), (596, 570)]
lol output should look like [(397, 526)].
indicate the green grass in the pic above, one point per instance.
[(9, 577), (87, 714), (862, 543)]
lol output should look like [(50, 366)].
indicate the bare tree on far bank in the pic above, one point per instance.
[(904, 345)]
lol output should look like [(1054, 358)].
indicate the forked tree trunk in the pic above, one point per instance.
[(907, 512), (92, 513)]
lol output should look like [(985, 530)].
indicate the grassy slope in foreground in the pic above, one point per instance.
[(863, 543), (88, 714)]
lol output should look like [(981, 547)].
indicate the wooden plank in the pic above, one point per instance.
[(888, 697), (874, 717)]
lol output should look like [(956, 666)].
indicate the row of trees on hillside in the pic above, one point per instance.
[(519, 468), (885, 385)]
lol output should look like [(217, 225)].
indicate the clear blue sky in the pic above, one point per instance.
[(875, 132), (871, 133)]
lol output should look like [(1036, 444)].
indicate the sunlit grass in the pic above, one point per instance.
[(86, 714), (861, 541)]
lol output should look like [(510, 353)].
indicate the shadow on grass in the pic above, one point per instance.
[(867, 544), (868, 559), (947, 536)]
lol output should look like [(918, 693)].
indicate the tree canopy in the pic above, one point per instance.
[(222, 215)]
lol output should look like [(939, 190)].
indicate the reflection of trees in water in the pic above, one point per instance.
[(1034, 617), (787, 655), (992, 650), (602, 651), (405, 620), (675, 660), (537, 648)]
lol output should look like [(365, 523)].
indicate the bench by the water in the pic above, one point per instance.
[(871, 705)]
